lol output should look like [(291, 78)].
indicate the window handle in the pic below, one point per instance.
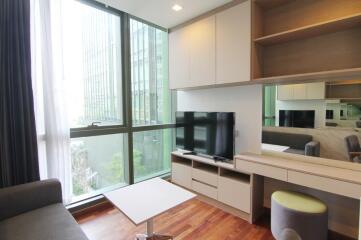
[(95, 124)]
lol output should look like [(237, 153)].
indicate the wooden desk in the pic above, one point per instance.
[(343, 184), (335, 180)]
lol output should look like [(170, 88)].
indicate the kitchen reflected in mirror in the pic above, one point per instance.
[(319, 119)]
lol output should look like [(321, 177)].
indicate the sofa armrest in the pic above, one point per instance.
[(312, 149), (26, 197)]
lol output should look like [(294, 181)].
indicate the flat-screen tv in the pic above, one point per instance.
[(206, 133), (297, 118), (329, 114)]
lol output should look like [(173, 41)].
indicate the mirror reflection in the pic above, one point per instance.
[(321, 119)]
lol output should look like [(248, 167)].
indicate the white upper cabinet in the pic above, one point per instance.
[(316, 90), (192, 55), (233, 44), (202, 52), (299, 91), (307, 91), (285, 92), (214, 50), (179, 59)]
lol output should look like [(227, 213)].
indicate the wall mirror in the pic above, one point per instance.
[(320, 119)]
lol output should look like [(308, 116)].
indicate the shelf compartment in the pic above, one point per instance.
[(311, 30), (334, 51), (280, 16), (181, 160), (344, 74), (345, 92), (235, 176), (271, 3), (205, 167), (297, 40)]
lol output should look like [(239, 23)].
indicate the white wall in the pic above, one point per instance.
[(319, 106), (245, 101)]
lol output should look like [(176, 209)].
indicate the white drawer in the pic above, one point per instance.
[(234, 193), (204, 176), (261, 169), (325, 184), (182, 174), (204, 189)]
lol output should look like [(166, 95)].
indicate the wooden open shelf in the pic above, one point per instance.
[(345, 74), (337, 83), (181, 160), (306, 40), (311, 30), (344, 92), (205, 167), (237, 176)]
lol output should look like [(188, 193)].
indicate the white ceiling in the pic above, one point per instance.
[(160, 11)]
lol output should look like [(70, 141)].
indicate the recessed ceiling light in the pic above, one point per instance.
[(177, 7)]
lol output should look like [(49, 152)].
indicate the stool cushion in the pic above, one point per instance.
[(299, 202), (298, 216)]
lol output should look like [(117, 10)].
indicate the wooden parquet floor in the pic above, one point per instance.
[(190, 221)]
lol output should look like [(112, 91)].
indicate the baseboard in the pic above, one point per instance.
[(97, 207)]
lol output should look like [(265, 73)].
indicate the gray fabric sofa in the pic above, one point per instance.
[(302, 144), (35, 211)]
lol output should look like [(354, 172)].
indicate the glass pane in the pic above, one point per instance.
[(98, 164), (269, 105), (151, 153), (151, 97), (91, 44)]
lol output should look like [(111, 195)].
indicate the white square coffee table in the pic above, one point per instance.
[(143, 201)]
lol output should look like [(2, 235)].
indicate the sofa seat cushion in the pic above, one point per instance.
[(52, 222)]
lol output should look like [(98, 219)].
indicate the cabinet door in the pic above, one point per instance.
[(182, 175), (316, 90), (285, 92), (202, 52), (234, 193), (299, 92), (179, 59), (233, 44)]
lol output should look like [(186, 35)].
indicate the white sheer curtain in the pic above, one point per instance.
[(49, 86)]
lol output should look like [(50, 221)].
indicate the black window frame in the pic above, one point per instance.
[(127, 126)]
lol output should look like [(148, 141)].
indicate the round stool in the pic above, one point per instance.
[(298, 216)]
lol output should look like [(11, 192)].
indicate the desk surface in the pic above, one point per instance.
[(145, 200), (305, 167)]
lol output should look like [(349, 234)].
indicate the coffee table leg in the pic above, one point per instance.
[(150, 227), (150, 233)]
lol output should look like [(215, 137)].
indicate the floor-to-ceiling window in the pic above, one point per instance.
[(151, 100), (120, 108)]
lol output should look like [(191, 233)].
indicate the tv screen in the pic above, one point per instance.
[(297, 118), (206, 133), (329, 114)]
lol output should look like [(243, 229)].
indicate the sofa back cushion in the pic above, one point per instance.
[(292, 140), (27, 197)]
